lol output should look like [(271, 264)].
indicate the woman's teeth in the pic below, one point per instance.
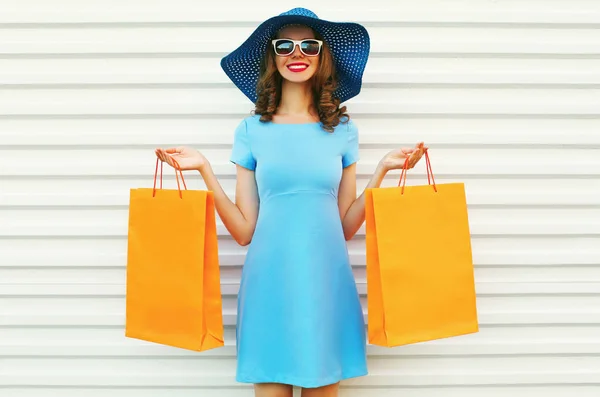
[(297, 68)]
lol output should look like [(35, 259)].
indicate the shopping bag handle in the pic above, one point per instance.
[(430, 178), (177, 168)]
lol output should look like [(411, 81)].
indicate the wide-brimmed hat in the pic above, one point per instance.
[(349, 44)]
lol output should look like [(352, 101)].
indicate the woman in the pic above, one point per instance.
[(300, 321)]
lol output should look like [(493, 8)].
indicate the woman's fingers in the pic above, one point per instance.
[(174, 150), (159, 155), (170, 160), (415, 157), (164, 157)]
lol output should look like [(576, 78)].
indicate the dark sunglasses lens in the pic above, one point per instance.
[(284, 47), (310, 47)]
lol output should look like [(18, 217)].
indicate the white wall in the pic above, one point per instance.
[(504, 92)]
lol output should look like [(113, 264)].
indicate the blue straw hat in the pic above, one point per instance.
[(349, 44)]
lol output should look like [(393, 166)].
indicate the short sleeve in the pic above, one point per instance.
[(241, 153), (351, 154)]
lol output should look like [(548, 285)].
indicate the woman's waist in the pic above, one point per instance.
[(301, 193), (307, 209), (302, 200)]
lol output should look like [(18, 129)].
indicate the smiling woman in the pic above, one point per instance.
[(299, 55), (299, 315)]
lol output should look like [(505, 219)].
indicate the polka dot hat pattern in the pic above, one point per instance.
[(349, 44)]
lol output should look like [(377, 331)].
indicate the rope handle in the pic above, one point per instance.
[(430, 177), (177, 168)]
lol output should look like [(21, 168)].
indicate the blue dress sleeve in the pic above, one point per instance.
[(351, 154), (241, 153)]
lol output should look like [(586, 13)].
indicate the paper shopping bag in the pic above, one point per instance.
[(173, 282), (420, 278)]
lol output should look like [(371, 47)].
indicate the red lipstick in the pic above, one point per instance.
[(297, 67)]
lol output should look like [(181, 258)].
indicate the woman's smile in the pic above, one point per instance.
[(297, 67)]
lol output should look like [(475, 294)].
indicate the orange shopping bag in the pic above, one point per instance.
[(420, 279), (173, 278)]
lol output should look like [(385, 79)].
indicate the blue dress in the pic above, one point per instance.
[(300, 320)]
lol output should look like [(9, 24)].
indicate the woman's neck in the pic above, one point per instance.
[(296, 100)]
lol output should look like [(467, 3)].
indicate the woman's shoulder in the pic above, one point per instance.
[(246, 124), (348, 126), (253, 119)]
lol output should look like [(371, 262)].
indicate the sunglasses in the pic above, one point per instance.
[(309, 47)]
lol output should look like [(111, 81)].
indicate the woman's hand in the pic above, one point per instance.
[(187, 158), (396, 158)]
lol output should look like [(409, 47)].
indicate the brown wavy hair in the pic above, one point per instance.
[(324, 83)]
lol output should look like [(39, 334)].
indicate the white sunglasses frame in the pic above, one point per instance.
[(297, 43)]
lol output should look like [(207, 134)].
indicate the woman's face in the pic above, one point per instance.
[(297, 67)]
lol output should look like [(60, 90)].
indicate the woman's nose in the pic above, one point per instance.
[(297, 51)]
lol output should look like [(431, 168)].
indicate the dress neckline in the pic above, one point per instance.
[(311, 123)]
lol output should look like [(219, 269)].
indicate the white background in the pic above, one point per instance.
[(506, 94)]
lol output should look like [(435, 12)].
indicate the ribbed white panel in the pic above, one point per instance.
[(505, 93)]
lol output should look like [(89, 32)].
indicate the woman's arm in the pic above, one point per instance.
[(240, 217), (352, 209)]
